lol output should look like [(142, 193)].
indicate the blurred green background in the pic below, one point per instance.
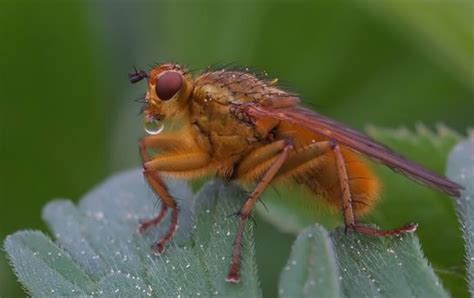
[(67, 114)]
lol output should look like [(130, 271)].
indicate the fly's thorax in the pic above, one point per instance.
[(219, 133), (231, 87)]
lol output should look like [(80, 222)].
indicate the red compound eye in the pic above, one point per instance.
[(168, 84)]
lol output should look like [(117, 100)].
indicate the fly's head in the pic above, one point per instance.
[(168, 92)]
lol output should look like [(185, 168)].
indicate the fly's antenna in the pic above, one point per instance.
[(137, 75)]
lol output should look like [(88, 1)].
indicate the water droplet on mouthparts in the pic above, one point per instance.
[(152, 125)]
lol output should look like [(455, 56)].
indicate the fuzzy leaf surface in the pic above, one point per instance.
[(461, 170), (99, 252), (355, 265)]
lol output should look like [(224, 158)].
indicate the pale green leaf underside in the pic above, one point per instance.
[(461, 170), (98, 250), (386, 267), (354, 265), (44, 268), (311, 270)]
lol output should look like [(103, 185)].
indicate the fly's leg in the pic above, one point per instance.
[(152, 166), (170, 163), (179, 162), (408, 228), (349, 219), (282, 162), (162, 141), (146, 224), (306, 154), (158, 186), (250, 167), (234, 272)]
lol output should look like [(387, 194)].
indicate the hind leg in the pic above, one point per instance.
[(347, 208)]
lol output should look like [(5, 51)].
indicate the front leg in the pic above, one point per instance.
[(152, 166), (154, 180), (165, 141)]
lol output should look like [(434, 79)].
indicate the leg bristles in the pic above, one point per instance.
[(409, 228)]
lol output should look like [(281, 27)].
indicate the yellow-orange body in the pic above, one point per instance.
[(208, 130)]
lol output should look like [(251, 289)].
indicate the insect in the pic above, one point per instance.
[(245, 128)]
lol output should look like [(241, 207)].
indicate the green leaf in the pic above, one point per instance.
[(311, 268), (461, 170), (384, 266), (354, 265), (101, 252), (44, 268)]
